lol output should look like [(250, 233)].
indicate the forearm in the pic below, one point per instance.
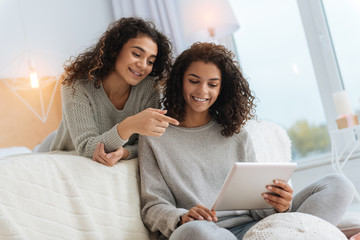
[(86, 142), (163, 218), (126, 128), (84, 128)]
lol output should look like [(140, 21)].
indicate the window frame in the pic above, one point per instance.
[(323, 55), (324, 61)]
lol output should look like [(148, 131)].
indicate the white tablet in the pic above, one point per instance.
[(247, 181)]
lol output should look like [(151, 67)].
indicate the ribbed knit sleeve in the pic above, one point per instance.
[(82, 126)]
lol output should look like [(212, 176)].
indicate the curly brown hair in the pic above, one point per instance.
[(235, 103), (98, 61)]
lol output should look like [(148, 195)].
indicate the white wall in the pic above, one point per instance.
[(51, 30)]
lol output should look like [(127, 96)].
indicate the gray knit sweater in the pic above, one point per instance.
[(89, 117), (185, 167)]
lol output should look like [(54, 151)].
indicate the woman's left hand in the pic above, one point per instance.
[(109, 159), (280, 195)]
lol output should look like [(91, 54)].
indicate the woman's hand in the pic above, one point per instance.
[(149, 122), (280, 195), (199, 212), (109, 159)]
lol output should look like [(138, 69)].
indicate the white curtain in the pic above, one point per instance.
[(164, 14)]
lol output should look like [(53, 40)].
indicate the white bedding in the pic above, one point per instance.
[(60, 196), (53, 196)]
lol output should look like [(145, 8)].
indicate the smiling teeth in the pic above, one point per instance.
[(135, 72), (200, 99)]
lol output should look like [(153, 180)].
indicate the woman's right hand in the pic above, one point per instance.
[(199, 212), (149, 122)]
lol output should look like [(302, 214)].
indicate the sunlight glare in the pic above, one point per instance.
[(295, 68)]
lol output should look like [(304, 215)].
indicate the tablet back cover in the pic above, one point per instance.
[(246, 182)]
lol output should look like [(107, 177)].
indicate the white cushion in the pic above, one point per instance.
[(271, 142), (284, 226)]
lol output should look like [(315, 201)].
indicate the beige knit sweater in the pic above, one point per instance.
[(89, 117)]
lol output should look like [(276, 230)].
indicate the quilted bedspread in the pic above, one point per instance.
[(61, 196)]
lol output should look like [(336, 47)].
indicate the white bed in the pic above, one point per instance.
[(52, 196), (60, 196)]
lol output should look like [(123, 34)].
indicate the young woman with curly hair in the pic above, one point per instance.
[(183, 170), (230, 110), (109, 93)]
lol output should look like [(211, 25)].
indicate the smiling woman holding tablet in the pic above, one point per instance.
[(183, 170)]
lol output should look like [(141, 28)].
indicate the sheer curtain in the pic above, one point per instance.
[(165, 14)]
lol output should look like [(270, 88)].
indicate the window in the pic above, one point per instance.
[(343, 19), (274, 56)]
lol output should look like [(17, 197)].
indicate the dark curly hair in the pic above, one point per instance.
[(235, 103), (98, 61)]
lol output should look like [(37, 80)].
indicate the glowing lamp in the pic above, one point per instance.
[(34, 80), (207, 20)]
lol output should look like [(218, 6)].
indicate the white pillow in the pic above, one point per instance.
[(13, 150), (274, 137), (284, 226)]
